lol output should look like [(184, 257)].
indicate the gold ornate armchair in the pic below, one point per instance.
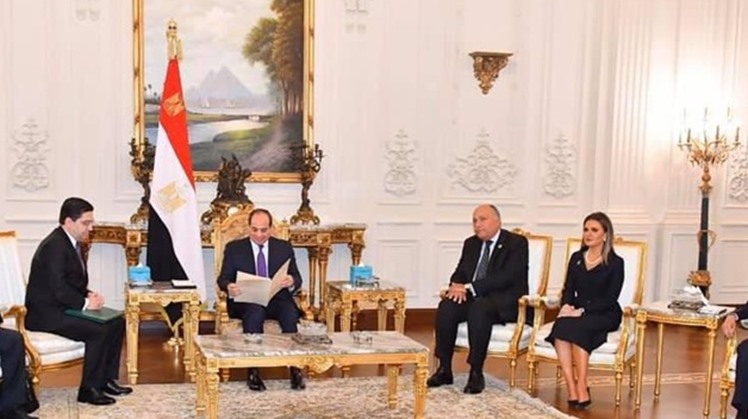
[(45, 351), (511, 340), (618, 353), (727, 377), (232, 228)]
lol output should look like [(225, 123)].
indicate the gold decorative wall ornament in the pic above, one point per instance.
[(486, 67)]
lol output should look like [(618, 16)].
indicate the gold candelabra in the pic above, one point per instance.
[(141, 166), (486, 67), (308, 161), (707, 146)]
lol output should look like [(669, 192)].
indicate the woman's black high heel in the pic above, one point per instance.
[(585, 404)]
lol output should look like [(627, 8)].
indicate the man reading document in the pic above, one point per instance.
[(262, 256)]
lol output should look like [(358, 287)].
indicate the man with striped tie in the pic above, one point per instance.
[(484, 290), (262, 255)]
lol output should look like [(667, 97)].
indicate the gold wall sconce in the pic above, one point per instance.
[(486, 67)]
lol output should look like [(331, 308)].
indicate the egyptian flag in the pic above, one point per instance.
[(174, 247)]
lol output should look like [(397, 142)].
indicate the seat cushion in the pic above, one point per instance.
[(501, 336), (605, 354), (54, 349)]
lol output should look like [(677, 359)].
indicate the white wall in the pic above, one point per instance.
[(584, 118)]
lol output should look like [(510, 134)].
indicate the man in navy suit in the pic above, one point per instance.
[(59, 281), (484, 290), (740, 398), (262, 255), (13, 386)]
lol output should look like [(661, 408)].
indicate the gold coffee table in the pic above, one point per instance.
[(215, 352), (161, 293), (345, 299), (658, 312)]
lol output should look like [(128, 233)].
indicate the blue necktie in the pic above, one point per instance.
[(480, 273), (262, 269)]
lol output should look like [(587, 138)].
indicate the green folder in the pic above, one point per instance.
[(103, 315)]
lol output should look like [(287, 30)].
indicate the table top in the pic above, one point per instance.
[(343, 343), (158, 287), (346, 286), (660, 308)]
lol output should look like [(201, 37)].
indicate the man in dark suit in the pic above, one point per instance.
[(59, 281), (262, 255), (13, 386), (740, 398), (484, 290)]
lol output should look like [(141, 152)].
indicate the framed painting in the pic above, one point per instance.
[(246, 76)]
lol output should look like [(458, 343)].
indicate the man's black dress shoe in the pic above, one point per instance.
[(112, 388), (440, 378), (476, 383), (94, 396), (254, 382), (297, 379)]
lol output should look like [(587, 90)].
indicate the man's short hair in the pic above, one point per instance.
[(260, 211), (74, 208)]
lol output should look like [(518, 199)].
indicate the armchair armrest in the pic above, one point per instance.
[(730, 348), (35, 360)]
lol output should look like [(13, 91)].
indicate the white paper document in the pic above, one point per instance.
[(259, 289)]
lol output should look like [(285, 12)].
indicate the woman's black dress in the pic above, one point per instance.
[(596, 291)]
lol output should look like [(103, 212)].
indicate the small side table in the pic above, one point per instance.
[(160, 293), (658, 312), (344, 299)]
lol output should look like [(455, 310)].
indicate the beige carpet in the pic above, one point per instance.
[(324, 398)]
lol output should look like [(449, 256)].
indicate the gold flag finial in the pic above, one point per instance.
[(173, 43)]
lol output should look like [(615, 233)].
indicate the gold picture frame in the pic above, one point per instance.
[(141, 143)]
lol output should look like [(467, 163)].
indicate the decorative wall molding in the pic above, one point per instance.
[(30, 171), (400, 179), (356, 12), (737, 175), (560, 155), (87, 10), (482, 170)]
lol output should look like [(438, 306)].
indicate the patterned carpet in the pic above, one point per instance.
[(324, 398)]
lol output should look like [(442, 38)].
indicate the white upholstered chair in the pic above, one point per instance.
[(511, 340), (45, 351), (618, 353), (727, 377)]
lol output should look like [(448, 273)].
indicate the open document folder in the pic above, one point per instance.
[(259, 289)]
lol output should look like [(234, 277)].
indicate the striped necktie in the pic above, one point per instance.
[(480, 273)]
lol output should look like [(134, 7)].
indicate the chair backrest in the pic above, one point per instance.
[(235, 227), (540, 248), (12, 283), (634, 255)]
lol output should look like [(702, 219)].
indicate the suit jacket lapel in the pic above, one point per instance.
[(498, 250), (251, 262)]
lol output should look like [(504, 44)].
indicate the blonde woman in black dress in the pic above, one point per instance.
[(589, 305)]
